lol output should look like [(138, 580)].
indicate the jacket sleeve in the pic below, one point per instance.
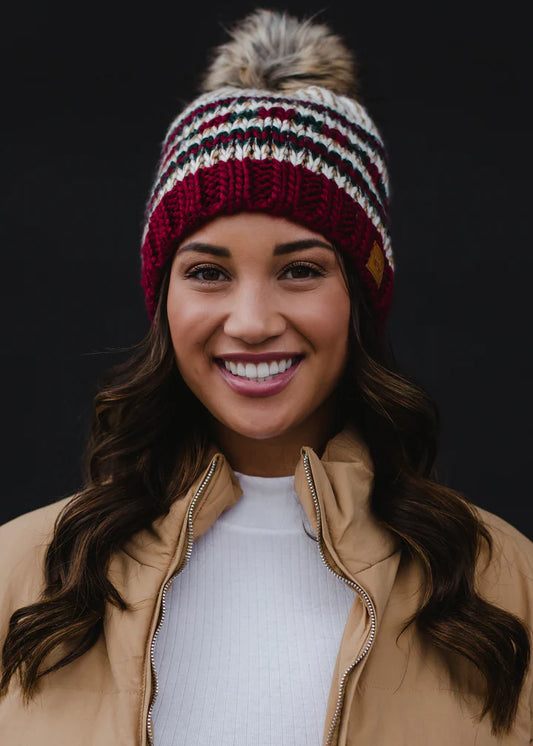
[(531, 712), (507, 581)]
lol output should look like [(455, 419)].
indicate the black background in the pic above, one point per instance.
[(88, 93)]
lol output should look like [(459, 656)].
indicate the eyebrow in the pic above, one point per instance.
[(282, 248)]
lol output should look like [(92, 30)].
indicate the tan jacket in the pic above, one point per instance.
[(384, 692)]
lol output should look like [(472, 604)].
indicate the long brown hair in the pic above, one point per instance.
[(147, 445)]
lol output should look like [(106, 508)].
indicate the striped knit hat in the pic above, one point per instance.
[(264, 137)]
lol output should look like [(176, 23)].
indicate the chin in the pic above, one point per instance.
[(259, 430), (260, 433)]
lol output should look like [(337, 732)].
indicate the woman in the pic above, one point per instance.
[(260, 552)]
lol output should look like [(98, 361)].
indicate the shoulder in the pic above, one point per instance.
[(28, 532), (23, 544), (506, 576)]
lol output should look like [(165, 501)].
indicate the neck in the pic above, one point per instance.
[(277, 456)]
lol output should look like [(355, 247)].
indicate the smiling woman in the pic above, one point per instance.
[(261, 552)]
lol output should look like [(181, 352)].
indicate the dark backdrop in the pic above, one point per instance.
[(88, 93)]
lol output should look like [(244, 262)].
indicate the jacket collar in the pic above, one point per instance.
[(356, 544), (344, 479)]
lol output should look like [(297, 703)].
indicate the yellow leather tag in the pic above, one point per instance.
[(376, 263)]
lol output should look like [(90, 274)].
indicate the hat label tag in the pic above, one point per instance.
[(376, 263)]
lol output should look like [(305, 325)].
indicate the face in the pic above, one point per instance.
[(259, 316)]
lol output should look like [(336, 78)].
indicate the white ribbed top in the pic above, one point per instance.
[(246, 653)]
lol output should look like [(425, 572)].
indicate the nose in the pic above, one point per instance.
[(254, 315)]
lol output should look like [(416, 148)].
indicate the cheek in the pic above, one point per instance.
[(190, 323), (187, 344), (326, 321)]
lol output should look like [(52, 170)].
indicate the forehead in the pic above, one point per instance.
[(250, 229)]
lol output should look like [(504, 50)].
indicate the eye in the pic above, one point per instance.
[(209, 274), (303, 271), (206, 273)]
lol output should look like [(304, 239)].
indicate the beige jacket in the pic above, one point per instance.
[(384, 692)]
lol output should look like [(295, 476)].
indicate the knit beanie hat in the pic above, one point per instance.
[(276, 130)]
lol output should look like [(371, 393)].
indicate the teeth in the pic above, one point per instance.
[(261, 372)]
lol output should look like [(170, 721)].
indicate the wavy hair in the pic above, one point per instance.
[(147, 445)]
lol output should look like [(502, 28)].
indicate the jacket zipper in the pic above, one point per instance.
[(200, 491), (364, 595)]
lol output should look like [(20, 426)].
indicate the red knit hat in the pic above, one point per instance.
[(264, 138)]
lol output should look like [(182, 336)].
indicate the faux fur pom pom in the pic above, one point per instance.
[(277, 52)]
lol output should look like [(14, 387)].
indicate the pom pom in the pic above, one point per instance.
[(274, 51)]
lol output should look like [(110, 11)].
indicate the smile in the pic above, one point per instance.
[(258, 379)]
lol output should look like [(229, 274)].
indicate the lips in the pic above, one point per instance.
[(253, 386)]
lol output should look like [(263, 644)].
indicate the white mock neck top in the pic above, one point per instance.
[(253, 623)]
